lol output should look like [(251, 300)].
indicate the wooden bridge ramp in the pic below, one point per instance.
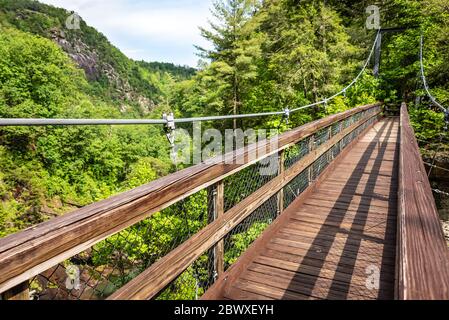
[(338, 241)]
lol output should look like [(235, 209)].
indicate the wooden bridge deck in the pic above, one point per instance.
[(334, 241)]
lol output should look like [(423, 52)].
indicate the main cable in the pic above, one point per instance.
[(423, 77), (343, 91)]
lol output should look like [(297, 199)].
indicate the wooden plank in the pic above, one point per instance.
[(423, 261), (332, 231), (272, 292), (344, 237), (354, 246), (242, 293), (350, 243), (347, 265), (335, 251), (355, 200), (351, 206), (320, 210), (324, 288), (32, 251)]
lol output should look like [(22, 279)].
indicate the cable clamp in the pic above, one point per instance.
[(287, 115), (170, 127)]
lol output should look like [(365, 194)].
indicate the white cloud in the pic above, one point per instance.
[(137, 26)]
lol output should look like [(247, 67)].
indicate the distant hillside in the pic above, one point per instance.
[(179, 72), (134, 86)]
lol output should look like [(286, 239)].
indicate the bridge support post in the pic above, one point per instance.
[(310, 169), (217, 210), (281, 170), (19, 292), (377, 56)]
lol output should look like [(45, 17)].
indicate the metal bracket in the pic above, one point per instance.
[(287, 115), (170, 127)]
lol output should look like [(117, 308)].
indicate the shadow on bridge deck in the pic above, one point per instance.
[(339, 241)]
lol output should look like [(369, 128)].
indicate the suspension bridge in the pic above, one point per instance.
[(348, 214)]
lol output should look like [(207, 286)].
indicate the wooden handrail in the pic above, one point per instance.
[(422, 253), (32, 251)]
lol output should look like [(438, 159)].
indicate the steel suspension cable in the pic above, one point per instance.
[(343, 91), (424, 80)]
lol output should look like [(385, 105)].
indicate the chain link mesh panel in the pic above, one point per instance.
[(296, 152), (245, 182), (297, 186), (244, 234), (107, 266), (193, 282)]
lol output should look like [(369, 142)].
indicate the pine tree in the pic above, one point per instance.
[(236, 50), (308, 50)]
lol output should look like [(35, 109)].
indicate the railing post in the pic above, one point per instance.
[(330, 155), (281, 170), (310, 169), (341, 140), (19, 292), (216, 212)]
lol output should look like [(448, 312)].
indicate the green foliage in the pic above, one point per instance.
[(428, 124), (241, 241), (269, 56), (52, 168)]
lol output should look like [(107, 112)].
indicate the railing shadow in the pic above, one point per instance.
[(346, 260)]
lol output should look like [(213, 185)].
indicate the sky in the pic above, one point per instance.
[(150, 30)]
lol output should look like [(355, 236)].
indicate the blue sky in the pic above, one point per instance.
[(151, 30)]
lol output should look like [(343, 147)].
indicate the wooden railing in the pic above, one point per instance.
[(422, 252), (35, 250)]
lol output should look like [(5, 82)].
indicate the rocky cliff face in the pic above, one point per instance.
[(88, 59), (85, 57)]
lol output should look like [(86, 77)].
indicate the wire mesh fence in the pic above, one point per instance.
[(245, 182), (193, 282), (107, 266), (296, 152), (297, 186), (244, 234)]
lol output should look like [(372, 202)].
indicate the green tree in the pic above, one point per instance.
[(236, 50)]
